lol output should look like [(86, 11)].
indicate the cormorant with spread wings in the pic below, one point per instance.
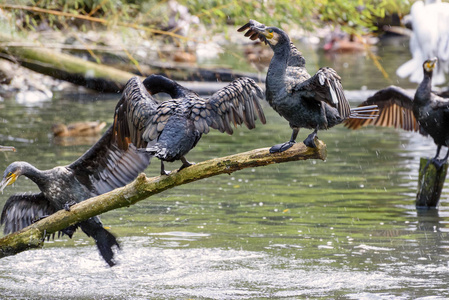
[(102, 168), (170, 129), (314, 102), (424, 112)]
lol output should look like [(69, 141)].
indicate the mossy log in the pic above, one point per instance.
[(65, 67), (33, 236), (104, 78), (430, 183)]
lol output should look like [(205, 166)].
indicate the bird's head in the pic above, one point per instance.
[(430, 64), (12, 172), (270, 35)]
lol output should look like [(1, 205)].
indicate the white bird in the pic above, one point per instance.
[(430, 38)]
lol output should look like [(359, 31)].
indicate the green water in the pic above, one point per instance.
[(342, 228)]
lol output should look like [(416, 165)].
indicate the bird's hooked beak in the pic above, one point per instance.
[(268, 33), (257, 30), (8, 180), (430, 64), (262, 29)]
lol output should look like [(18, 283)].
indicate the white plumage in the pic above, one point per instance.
[(430, 38)]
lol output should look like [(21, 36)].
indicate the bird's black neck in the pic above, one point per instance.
[(33, 173), (422, 94), (160, 84), (277, 69)]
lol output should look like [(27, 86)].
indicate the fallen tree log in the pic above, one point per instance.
[(104, 78), (34, 235), (65, 67)]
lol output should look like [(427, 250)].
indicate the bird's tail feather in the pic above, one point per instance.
[(157, 151), (364, 112), (103, 238)]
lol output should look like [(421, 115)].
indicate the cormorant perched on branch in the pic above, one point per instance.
[(170, 129), (425, 112), (102, 168), (315, 102)]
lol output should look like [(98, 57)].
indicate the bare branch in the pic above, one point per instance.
[(143, 187)]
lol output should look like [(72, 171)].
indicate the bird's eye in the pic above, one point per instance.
[(270, 30), (9, 174)]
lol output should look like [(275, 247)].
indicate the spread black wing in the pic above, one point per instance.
[(105, 166), (395, 110), (132, 112), (325, 86), (112, 162), (21, 210), (237, 103)]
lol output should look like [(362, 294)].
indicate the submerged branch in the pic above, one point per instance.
[(33, 236)]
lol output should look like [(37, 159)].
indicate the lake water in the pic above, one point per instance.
[(343, 228)]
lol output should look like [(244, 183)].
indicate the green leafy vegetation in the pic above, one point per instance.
[(352, 15)]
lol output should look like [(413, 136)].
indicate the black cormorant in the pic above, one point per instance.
[(101, 169), (315, 102), (170, 129), (424, 112)]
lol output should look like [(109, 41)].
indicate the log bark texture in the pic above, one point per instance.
[(33, 236), (430, 183)]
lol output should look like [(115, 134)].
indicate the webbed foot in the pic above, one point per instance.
[(166, 173), (438, 163), (185, 163), (310, 140), (282, 147)]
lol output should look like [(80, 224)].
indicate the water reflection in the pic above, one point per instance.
[(343, 228)]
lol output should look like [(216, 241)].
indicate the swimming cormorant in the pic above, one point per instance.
[(102, 168), (315, 102), (424, 112), (170, 129)]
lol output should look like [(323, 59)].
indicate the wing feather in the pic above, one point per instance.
[(105, 166), (395, 110), (325, 86), (132, 112), (158, 118), (21, 210), (237, 104)]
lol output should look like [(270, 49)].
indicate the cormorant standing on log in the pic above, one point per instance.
[(170, 129), (314, 102)]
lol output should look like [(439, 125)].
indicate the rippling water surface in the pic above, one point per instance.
[(342, 228)]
